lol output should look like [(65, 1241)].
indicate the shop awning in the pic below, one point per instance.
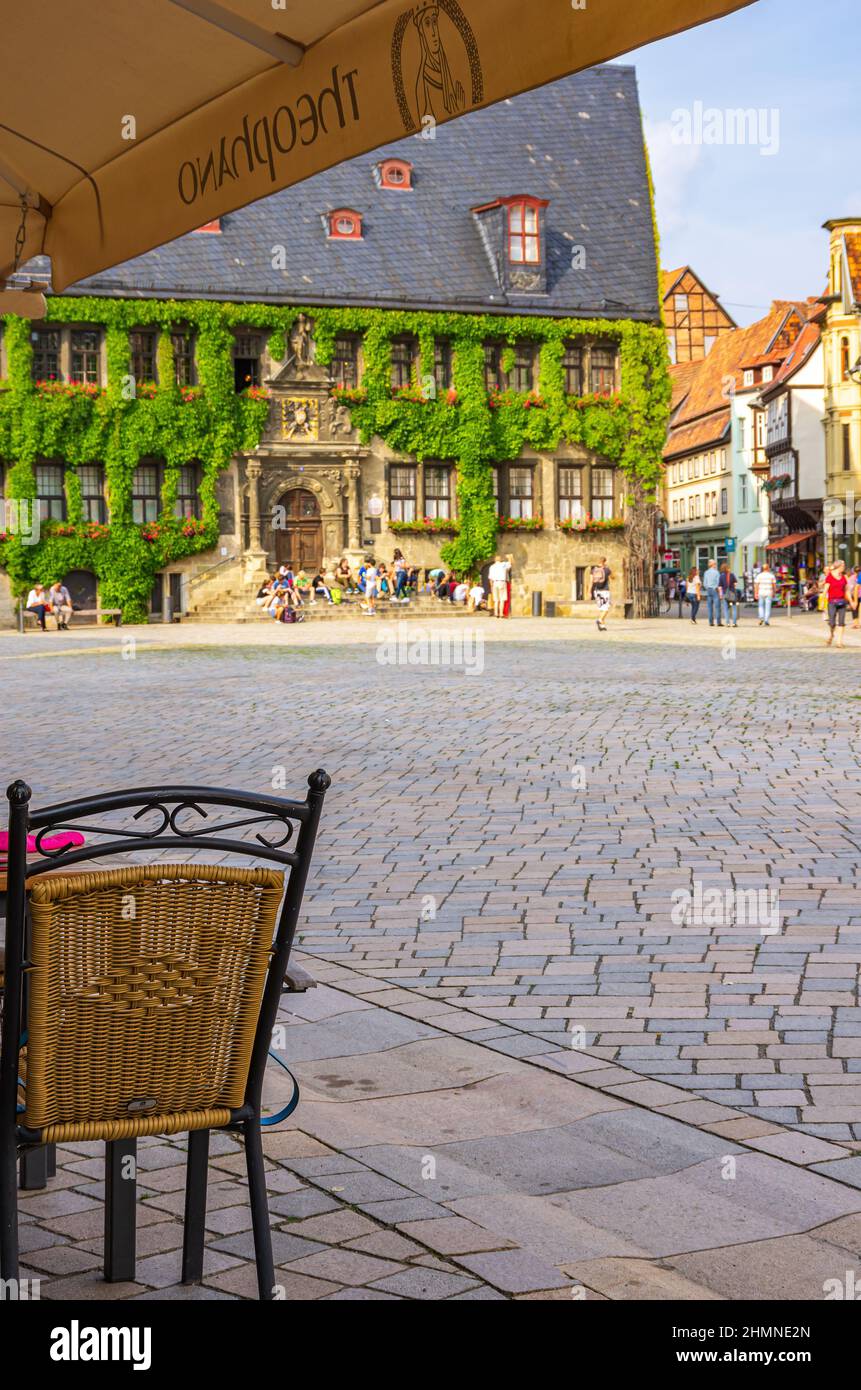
[(786, 541), (125, 126)]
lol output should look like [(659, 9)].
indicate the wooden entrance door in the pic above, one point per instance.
[(298, 531)]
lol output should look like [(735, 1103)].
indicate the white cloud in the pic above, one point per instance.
[(672, 167)]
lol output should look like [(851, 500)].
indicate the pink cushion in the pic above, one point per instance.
[(61, 841)]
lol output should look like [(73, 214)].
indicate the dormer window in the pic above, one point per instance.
[(748, 376), (345, 225), (524, 237), (395, 173), (512, 232)]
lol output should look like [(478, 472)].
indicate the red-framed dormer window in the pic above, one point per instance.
[(396, 173), (524, 230), (213, 226), (345, 225)]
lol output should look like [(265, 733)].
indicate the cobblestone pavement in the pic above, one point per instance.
[(505, 857)]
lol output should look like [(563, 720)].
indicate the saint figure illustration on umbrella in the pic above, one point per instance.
[(438, 93)]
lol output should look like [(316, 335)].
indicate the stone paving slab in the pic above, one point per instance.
[(513, 884), (526, 1209)]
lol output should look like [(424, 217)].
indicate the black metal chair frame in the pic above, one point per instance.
[(168, 803)]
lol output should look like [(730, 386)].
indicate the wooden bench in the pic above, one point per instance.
[(115, 614)]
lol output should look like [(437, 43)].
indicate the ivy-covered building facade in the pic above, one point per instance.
[(452, 345)]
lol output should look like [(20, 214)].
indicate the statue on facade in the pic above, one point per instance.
[(302, 341), (341, 422)]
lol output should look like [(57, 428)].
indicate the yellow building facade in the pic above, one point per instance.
[(841, 340)]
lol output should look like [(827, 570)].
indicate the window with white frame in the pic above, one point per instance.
[(570, 493), (602, 494), (402, 492), (437, 491), (519, 493)]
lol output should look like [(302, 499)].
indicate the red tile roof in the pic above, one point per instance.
[(712, 429), (681, 376), (703, 415), (801, 349)]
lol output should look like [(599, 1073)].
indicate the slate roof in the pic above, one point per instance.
[(577, 142)]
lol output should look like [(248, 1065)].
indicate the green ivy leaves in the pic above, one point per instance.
[(212, 428)]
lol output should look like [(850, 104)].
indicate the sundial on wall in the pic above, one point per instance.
[(300, 417)]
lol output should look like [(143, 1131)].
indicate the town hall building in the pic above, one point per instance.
[(445, 330)]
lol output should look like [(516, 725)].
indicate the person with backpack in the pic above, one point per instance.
[(729, 596)]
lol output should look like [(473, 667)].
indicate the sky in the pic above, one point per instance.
[(747, 220)]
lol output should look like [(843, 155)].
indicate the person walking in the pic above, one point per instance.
[(694, 592), (853, 593), (711, 585), (835, 585), (764, 589), (399, 566), (729, 596), (601, 594)]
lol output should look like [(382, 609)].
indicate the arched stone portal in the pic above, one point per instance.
[(297, 530)]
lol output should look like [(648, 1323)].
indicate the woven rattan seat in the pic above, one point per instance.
[(140, 1000), (144, 991)]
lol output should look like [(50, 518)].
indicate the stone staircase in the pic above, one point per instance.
[(227, 596)]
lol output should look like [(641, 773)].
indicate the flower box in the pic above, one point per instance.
[(520, 523), (349, 395), (590, 523), (413, 394), (773, 484), (531, 400), (72, 389), (426, 526)]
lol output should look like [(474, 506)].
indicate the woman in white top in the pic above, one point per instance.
[(694, 592)]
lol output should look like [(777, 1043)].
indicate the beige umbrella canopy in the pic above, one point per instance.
[(123, 125)]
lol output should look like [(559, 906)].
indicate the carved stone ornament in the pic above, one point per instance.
[(341, 422), (300, 417)]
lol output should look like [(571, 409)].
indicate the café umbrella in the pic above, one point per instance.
[(123, 126)]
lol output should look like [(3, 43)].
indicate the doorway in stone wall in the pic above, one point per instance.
[(297, 531)]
